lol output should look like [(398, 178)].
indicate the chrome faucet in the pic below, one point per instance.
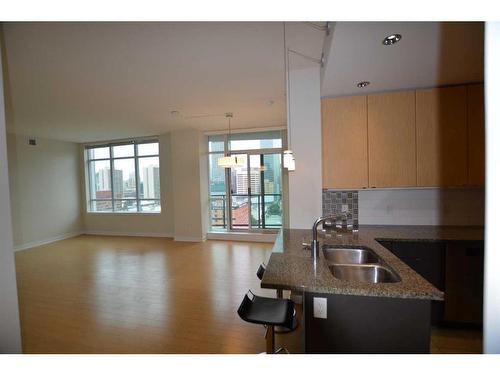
[(315, 242)]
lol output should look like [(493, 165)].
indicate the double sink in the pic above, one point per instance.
[(358, 264)]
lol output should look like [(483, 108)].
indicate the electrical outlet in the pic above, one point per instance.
[(345, 208), (319, 307)]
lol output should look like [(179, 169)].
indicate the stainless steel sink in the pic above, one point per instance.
[(368, 273), (350, 255)]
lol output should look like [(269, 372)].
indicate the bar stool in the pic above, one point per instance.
[(271, 312), (279, 294)]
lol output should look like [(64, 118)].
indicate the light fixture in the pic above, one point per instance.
[(288, 158), (229, 161), (391, 39), (363, 84)]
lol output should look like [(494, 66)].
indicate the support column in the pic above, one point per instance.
[(305, 131)]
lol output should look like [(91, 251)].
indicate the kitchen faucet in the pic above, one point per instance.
[(315, 242)]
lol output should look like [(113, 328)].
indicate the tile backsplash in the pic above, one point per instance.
[(429, 206), (343, 205)]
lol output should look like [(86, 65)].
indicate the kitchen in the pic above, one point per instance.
[(355, 223), (400, 249)]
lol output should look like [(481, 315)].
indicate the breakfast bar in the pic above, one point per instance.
[(343, 315)]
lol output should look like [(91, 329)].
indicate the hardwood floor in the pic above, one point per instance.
[(98, 294)]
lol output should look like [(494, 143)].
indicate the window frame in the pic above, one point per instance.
[(225, 139), (136, 157)]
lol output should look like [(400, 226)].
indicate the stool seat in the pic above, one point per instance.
[(279, 294), (267, 311)]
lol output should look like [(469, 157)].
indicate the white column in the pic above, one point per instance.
[(492, 239), (10, 333), (189, 174), (305, 131)]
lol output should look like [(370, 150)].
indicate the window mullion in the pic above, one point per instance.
[(136, 160), (91, 181), (112, 182)]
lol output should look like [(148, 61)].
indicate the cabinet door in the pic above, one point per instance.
[(441, 137), (464, 282), (344, 142), (391, 139), (475, 130), (425, 257)]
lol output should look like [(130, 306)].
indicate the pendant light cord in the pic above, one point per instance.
[(229, 142), (229, 115)]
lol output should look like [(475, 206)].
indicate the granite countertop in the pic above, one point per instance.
[(290, 267)]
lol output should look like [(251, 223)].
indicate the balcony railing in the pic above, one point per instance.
[(218, 211), (265, 211)]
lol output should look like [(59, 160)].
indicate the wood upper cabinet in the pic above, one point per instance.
[(344, 142), (442, 136), (475, 130), (430, 137), (391, 139)]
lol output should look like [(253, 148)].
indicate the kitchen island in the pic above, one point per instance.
[(361, 317)]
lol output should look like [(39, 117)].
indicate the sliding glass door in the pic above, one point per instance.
[(247, 197), (255, 192), (239, 185)]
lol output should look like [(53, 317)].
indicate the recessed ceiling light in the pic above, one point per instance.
[(363, 84), (174, 113), (391, 39)]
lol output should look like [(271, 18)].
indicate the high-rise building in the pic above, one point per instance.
[(103, 182), (242, 181), (151, 181), (118, 183)]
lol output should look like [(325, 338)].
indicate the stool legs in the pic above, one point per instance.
[(270, 339)]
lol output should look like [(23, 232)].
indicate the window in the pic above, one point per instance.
[(124, 177), (247, 197)]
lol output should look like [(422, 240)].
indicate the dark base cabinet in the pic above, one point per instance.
[(464, 282), (358, 324), (428, 259), (455, 267)]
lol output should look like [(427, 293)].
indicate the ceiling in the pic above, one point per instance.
[(87, 82), (429, 54)]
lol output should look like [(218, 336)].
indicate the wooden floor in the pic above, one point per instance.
[(98, 294)]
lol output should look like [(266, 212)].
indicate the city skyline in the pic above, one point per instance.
[(125, 189)]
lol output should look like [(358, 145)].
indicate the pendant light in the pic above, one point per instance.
[(229, 161), (288, 158)]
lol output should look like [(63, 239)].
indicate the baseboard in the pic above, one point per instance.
[(29, 245), (127, 234), (189, 239), (248, 237)]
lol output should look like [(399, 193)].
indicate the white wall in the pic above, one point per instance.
[(421, 207), (45, 190), (190, 192), (304, 184), (161, 225), (492, 253), (10, 333)]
